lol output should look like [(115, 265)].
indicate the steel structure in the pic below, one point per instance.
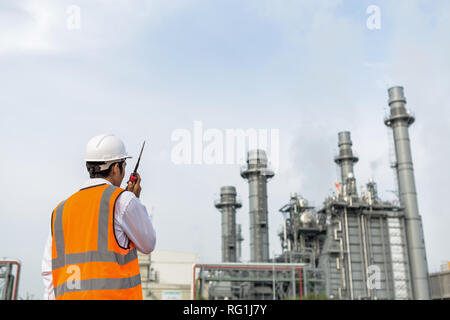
[(360, 239), (355, 246), (9, 278), (301, 238), (345, 160), (364, 251), (243, 281), (399, 120), (358, 242), (257, 173), (227, 205)]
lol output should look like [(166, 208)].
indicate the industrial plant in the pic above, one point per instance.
[(355, 246)]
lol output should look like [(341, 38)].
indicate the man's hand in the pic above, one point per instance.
[(135, 187)]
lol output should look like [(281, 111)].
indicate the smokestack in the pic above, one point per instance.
[(227, 205), (399, 120), (345, 160), (257, 174)]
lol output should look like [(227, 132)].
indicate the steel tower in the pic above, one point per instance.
[(257, 174), (227, 204), (345, 160), (399, 120)]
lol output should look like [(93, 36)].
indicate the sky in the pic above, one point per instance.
[(146, 68)]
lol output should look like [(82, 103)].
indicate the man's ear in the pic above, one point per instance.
[(114, 168)]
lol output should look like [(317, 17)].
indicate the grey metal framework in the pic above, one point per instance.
[(9, 278), (364, 252), (255, 281), (227, 204), (357, 242), (356, 246), (399, 120), (257, 173), (302, 234)]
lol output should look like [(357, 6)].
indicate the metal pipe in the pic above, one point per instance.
[(340, 265), (400, 120), (300, 285), (366, 261), (9, 263), (273, 277), (295, 220), (349, 259), (7, 281), (408, 267), (388, 287), (293, 283)]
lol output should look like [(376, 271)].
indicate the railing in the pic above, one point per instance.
[(10, 290)]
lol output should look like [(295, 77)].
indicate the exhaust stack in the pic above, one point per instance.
[(399, 120), (257, 174), (345, 159), (227, 205)]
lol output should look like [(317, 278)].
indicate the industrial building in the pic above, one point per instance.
[(167, 275), (440, 283), (356, 246)]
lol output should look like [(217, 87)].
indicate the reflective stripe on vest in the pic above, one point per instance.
[(102, 254), (100, 284)]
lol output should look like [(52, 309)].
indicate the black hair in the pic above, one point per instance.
[(94, 169)]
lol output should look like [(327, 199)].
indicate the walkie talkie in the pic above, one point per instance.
[(133, 176)]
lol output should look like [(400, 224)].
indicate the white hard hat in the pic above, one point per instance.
[(105, 148)]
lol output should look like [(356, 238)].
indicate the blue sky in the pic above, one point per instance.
[(143, 69)]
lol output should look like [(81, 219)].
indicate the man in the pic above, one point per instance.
[(91, 250)]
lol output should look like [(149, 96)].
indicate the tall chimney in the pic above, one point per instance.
[(399, 120), (345, 159), (257, 174), (227, 205)]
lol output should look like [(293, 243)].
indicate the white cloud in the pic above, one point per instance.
[(40, 27), (26, 26)]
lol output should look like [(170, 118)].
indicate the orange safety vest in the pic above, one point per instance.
[(87, 261)]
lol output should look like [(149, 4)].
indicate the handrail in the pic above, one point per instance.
[(16, 278)]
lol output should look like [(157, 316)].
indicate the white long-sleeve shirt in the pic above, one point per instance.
[(131, 223)]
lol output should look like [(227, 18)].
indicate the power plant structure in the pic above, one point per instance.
[(257, 173), (363, 252), (400, 120), (228, 204), (354, 247)]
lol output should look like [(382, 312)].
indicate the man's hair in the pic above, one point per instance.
[(94, 169)]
